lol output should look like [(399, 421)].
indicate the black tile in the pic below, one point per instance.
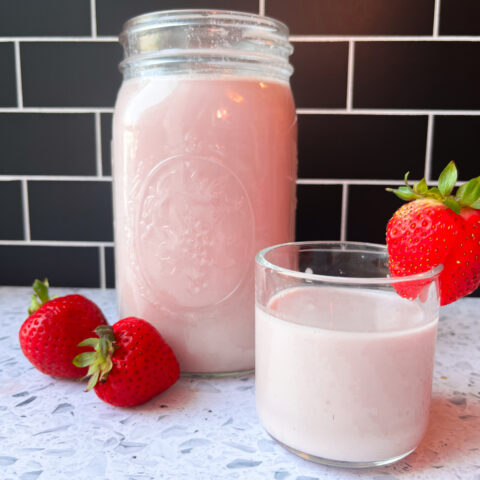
[(46, 17), (8, 89), (460, 17), (70, 74), (436, 75), (63, 266), (106, 129), (47, 144), (361, 146), (111, 14), (456, 138), (70, 210), (354, 17), (110, 267), (370, 208), (319, 211), (11, 213), (320, 77)]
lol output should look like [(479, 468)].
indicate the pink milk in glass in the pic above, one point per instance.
[(344, 364), (204, 167), (341, 391)]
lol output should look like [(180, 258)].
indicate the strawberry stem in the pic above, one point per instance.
[(99, 362), (40, 297), (467, 195)]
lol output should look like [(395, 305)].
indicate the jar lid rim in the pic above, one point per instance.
[(182, 16)]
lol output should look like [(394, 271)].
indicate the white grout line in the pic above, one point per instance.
[(18, 74), (103, 277), (293, 38), (343, 224), (380, 111), (436, 19), (334, 181), (60, 178), (428, 149), (303, 111), (98, 145), (26, 211), (55, 243), (373, 38), (57, 110), (339, 181), (351, 66), (93, 18), (60, 39), (300, 181), (261, 7)]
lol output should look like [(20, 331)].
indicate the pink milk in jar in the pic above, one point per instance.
[(204, 168)]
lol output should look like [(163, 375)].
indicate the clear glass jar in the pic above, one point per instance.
[(204, 169)]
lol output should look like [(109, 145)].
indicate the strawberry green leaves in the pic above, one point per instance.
[(40, 297), (447, 179), (99, 362), (467, 195)]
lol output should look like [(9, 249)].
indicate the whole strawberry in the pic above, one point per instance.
[(438, 228), (131, 363), (49, 337)]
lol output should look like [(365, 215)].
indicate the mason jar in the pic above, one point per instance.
[(204, 173)]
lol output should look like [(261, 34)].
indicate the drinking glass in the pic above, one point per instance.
[(344, 352)]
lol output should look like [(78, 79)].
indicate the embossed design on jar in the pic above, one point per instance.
[(194, 231)]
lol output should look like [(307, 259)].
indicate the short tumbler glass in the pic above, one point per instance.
[(344, 353)]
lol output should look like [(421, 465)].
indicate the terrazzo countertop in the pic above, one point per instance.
[(208, 428)]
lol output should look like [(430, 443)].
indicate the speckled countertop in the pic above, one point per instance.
[(208, 429)]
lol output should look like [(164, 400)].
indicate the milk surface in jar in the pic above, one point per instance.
[(204, 169)]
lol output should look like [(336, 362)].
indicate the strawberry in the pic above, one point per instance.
[(50, 335), (437, 228), (131, 363)]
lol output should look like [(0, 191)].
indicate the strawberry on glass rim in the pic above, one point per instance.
[(438, 227)]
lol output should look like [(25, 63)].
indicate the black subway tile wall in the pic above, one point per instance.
[(11, 212), (424, 75), (47, 143), (111, 14), (457, 138), (381, 88), (370, 208), (106, 136), (109, 267), (319, 212), (64, 267), (70, 210), (460, 17), (36, 18), (8, 90), (378, 143), (320, 78), (354, 17), (70, 74)]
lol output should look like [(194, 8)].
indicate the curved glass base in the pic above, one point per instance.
[(217, 375), (342, 463)]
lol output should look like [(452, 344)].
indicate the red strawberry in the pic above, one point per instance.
[(436, 228), (131, 363), (49, 336)]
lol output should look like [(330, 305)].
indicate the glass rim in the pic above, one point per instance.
[(201, 15), (386, 280)]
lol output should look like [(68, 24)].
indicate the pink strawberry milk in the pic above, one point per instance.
[(204, 168)]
